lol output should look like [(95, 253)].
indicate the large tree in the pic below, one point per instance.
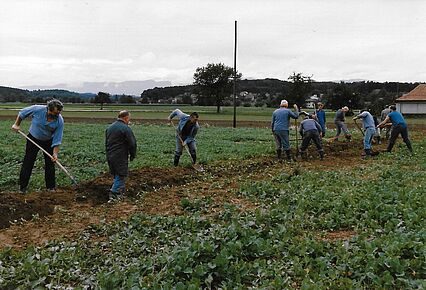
[(102, 98), (214, 82), (300, 88)]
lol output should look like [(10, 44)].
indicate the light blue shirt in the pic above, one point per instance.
[(281, 118), (42, 129), (367, 120)]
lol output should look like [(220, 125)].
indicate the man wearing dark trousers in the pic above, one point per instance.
[(186, 131), (47, 126), (310, 130), (399, 126), (120, 143)]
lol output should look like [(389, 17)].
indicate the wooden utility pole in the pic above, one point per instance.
[(235, 77)]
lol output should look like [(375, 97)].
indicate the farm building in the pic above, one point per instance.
[(413, 103)]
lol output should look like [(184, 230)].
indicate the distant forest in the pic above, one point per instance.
[(269, 92), (263, 92)]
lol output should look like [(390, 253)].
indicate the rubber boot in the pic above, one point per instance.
[(367, 153), (176, 160), (279, 152), (288, 153), (194, 157), (321, 153)]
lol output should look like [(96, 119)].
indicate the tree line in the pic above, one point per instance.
[(213, 85)]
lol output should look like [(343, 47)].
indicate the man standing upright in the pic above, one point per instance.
[(280, 127), (399, 126), (320, 116), (339, 121), (186, 131), (120, 143), (47, 127), (369, 130)]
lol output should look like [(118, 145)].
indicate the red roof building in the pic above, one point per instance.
[(414, 102)]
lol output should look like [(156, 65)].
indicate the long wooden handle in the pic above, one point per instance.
[(48, 154)]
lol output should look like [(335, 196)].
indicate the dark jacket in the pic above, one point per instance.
[(120, 143)]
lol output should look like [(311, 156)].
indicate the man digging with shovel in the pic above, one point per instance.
[(185, 135), (47, 127)]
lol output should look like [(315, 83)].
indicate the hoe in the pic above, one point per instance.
[(197, 167), (47, 153)]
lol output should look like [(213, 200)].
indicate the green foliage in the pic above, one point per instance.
[(300, 88), (213, 82)]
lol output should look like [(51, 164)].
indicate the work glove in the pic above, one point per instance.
[(15, 128), (354, 118)]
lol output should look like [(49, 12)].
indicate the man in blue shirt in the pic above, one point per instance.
[(47, 127), (187, 129), (320, 116), (399, 126), (280, 127), (369, 130), (310, 130)]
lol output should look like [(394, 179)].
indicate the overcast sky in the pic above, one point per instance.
[(49, 42)]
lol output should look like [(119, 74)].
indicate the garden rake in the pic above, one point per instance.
[(197, 167), (51, 157)]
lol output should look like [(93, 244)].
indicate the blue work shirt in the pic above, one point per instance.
[(309, 125), (367, 120), (340, 116), (321, 117), (397, 118), (183, 119), (281, 118), (42, 129)]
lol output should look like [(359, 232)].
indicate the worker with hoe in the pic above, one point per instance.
[(47, 127), (339, 121), (369, 130), (320, 116), (280, 128), (120, 143), (185, 134), (399, 126), (310, 131)]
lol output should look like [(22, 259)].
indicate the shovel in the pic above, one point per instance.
[(51, 157), (197, 167)]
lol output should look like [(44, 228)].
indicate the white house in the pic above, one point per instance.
[(414, 102)]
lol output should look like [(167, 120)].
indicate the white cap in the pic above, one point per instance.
[(345, 108), (284, 103)]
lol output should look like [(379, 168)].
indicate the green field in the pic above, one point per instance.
[(162, 111), (346, 223)]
